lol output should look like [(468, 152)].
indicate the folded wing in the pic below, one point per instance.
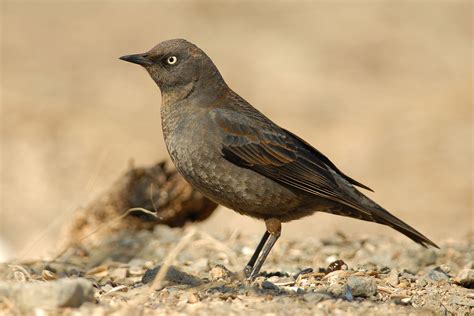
[(287, 159)]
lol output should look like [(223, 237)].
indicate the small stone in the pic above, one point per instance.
[(465, 278), (19, 276), (334, 276), (192, 299), (436, 275), (269, 285), (136, 270), (408, 276), (362, 286), (284, 281), (397, 298), (107, 288), (422, 282), (219, 272), (173, 275), (338, 290), (445, 268), (51, 294), (119, 273), (48, 275), (393, 278), (99, 271), (294, 289)]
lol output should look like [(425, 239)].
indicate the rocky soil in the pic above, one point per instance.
[(335, 275)]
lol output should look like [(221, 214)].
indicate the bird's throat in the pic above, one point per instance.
[(176, 94)]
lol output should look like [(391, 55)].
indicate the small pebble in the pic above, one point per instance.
[(192, 299), (362, 286), (445, 268), (48, 275), (436, 275), (119, 273), (393, 278), (99, 271), (284, 281), (50, 294), (269, 285), (334, 276), (219, 272), (465, 278)]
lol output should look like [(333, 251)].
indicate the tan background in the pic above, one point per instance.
[(383, 88)]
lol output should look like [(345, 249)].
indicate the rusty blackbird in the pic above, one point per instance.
[(239, 158)]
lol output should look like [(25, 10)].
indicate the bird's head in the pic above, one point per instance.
[(178, 66)]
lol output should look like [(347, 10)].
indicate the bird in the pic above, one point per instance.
[(239, 158)]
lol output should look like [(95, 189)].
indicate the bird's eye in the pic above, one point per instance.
[(172, 60)]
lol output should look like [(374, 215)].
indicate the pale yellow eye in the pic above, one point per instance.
[(172, 60)]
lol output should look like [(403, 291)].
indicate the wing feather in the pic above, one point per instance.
[(278, 155), (287, 159)]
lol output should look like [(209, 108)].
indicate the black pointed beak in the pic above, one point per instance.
[(140, 59)]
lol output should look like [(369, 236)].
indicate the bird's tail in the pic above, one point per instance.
[(382, 216), (362, 207)]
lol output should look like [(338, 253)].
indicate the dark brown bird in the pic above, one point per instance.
[(239, 158)]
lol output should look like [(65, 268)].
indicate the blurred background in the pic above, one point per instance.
[(382, 88)]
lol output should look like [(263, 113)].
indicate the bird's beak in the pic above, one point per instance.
[(139, 59)]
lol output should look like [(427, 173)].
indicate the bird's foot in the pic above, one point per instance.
[(248, 271)]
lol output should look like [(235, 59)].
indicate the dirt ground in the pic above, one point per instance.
[(378, 276)]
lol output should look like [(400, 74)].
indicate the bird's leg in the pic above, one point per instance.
[(274, 230), (249, 267)]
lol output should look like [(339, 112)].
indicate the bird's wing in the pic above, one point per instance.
[(254, 142), (328, 162), (271, 151)]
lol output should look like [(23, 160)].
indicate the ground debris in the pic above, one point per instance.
[(362, 286), (465, 278), (53, 294), (374, 275), (172, 275), (158, 189)]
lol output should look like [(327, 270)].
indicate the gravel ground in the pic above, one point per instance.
[(335, 275)]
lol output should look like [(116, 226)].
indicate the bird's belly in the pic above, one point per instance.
[(240, 189)]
